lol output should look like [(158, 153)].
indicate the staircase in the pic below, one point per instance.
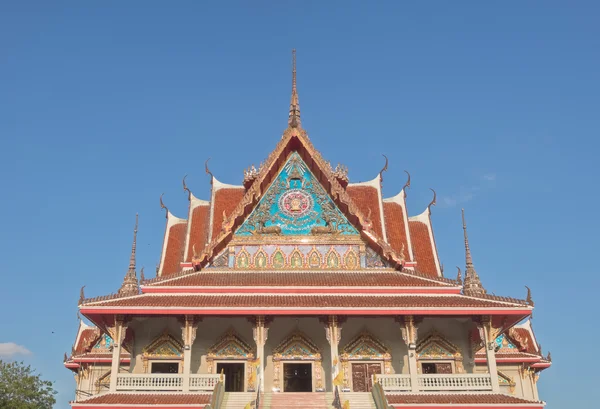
[(296, 400), (237, 400), (358, 400)]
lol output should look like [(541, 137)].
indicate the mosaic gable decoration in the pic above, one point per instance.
[(104, 343), (165, 347), (503, 342), (230, 346), (296, 205), (364, 347), (436, 347)]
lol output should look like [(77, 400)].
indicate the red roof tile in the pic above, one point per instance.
[(147, 399), (422, 248), (86, 340), (395, 227), (174, 252), (209, 278), (300, 301), (198, 230), (457, 399), (226, 199), (367, 198)]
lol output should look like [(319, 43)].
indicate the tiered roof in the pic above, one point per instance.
[(195, 263)]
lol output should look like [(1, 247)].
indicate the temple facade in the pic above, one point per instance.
[(298, 288)]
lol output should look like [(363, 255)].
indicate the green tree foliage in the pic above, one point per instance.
[(21, 388)]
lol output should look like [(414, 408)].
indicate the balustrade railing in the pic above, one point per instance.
[(437, 382), (204, 382), (455, 382), (394, 382), (149, 382)]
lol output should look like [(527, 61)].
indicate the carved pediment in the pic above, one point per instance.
[(435, 346), (104, 344), (297, 346), (165, 346), (230, 346), (365, 346)]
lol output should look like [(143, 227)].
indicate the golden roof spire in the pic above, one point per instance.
[(472, 284), (294, 116), (130, 283)]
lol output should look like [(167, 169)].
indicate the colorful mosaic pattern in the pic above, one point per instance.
[(104, 342), (503, 342), (296, 205), (284, 257)]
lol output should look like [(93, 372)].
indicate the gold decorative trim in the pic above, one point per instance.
[(297, 347), (165, 347), (436, 347)]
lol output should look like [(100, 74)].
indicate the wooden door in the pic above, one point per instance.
[(362, 376)]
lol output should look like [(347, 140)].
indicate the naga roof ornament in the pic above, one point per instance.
[(384, 169), (208, 172), (407, 184), (433, 201), (294, 116), (186, 189), (130, 283), (162, 206), (472, 285)]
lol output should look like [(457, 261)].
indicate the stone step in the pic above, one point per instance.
[(237, 400), (296, 400)]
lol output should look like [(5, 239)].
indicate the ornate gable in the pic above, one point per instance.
[(297, 346), (435, 346), (230, 346), (104, 344), (365, 346), (296, 204), (164, 347)]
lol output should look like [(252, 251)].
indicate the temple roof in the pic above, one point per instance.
[(492, 399), (163, 398), (378, 233)]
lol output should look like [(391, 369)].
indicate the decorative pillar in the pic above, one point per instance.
[(188, 336), (117, 333), (489, 334), (333, 333), (260, 334), (409, 335)]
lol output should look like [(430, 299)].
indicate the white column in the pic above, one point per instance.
[(333, 333), (489, 338), (409, 335), (188, 331), (117, 333), (260, 333)]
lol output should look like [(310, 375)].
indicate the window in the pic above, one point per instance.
[(436, 368), (165, 367)]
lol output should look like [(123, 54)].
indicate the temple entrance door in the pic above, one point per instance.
[(362, 376), (297, 377), (234, 375)]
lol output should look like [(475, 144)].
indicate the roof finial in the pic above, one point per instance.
[(472, 284), (407, 184), (208, 172), (162, 206), (130, 283), (186, 189), (81, 295), (294, 116), (459, 276), (433, 201), (529, 299), (385, 167)]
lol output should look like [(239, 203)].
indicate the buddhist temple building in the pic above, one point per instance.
[(298, 288)]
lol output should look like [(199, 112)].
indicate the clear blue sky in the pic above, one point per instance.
[(106, 105)]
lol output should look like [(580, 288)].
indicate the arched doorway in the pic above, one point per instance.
[(230, 356), (297, 365), (362, 358)]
